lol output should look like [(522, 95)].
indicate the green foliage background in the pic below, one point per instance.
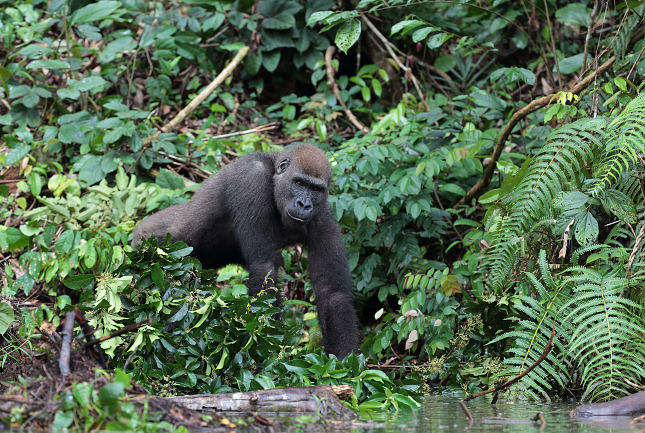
[(467, 294)]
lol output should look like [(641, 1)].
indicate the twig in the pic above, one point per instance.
[(118, 332), (545, 353), (202, 95), (388, 47), (66, 346), (268, 127), (555, 53), (588, 37), (127, 361), (89, 336), (519, 115), (466, 411), (330, 76)]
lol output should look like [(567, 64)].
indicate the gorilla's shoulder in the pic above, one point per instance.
[(257, 163)]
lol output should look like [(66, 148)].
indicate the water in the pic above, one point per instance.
[(443, 414)]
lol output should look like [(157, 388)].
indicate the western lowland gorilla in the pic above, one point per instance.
[(257, 205)]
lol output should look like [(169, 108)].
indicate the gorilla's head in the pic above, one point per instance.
[(301, 183)]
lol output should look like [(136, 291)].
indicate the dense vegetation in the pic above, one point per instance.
[(488, 166)]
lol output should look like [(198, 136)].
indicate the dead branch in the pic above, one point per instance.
[(194, 103), (264, 128), (330, 76), (388, 47), (502, 420), (202, 95), (466, 411), (66, 346), (322, 399), (519, 115), (547, 349), (118, 332)]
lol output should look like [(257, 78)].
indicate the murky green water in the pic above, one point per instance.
[(443, 414)]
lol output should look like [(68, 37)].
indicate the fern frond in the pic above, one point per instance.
[(626, 138), (557, 165), (533, 332), (607, 338)]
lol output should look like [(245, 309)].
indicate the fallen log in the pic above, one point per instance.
[(322, 399), (631, 404)]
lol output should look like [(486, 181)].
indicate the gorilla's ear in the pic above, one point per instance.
[(282, 166)]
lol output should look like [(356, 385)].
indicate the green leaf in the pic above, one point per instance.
[(348, 34), (514, 74), (68, 94), (157, 276), (214, 22), (168, 179), (87, 83), (570, 200), (109, 395), (179, 314), (569, 65), (281, 21), (586, 229), (94, 12), (63, 419), (17, 154), (78, 282), (270, 60), (574, 13), (365, 92), (91, 169), (435, 41), (451, 187), (406, 26), (253, 63), (6, 317), (65, 242), (318, 16), (421, 34), (48, 64)]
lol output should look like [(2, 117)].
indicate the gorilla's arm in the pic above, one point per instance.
[(332, 283), (250, 200)]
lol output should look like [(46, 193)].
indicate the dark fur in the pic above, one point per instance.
[(254, 207)]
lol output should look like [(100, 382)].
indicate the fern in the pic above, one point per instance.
[(607, 342), (533, 332), (596, 307), (558, 164), (557, 167)]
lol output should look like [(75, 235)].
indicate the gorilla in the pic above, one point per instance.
[(257, 205)]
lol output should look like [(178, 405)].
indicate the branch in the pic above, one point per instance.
[(519, 115), (545, 353), (66, 346), (118, 332), (330, 76), (388, 47), (202, 95)]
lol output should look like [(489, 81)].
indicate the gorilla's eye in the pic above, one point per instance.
[(315, 188), (298, 182)]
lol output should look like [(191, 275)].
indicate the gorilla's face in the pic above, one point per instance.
[(301, 182), (307, 194)]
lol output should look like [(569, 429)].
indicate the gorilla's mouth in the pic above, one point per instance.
[(295, 218)]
